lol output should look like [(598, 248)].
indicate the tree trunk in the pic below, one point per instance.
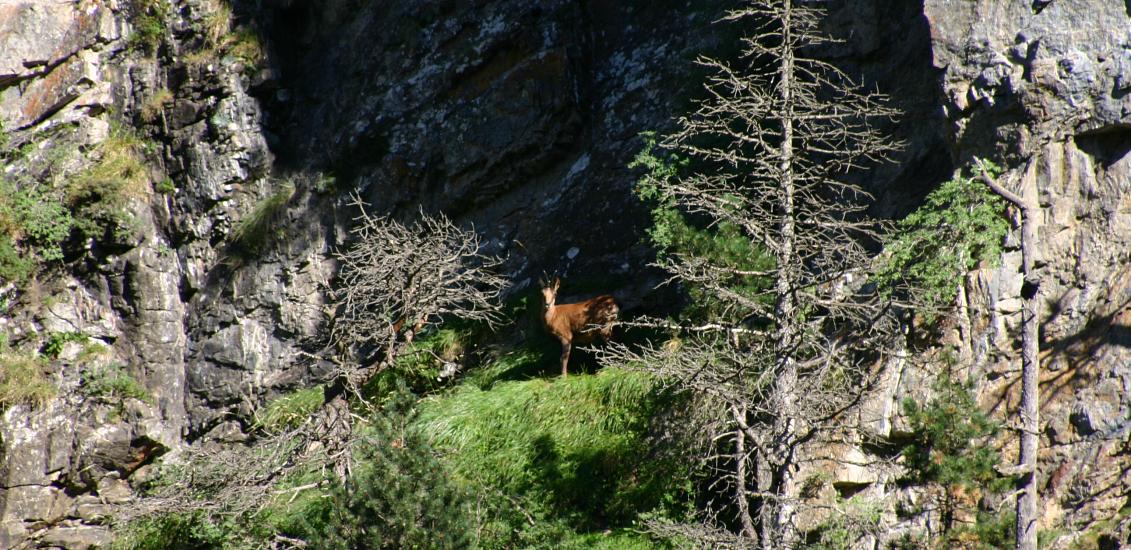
[(785, 384), (1029, 408), (740, 496), (1030, 389), (782, 533)]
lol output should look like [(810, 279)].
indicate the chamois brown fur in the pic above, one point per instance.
[(580, 323)]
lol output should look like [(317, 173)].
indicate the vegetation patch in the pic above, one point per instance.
[(289, 411), (23, 380), (961, 225), (155, 105), (951, 453), (255, 232), (219, 39), (34, 223), (572, 449), (99, 196), (113, 383), (57, 340), (148, 20), (425, 364)]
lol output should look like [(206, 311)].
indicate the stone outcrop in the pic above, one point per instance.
[(1043, 86)]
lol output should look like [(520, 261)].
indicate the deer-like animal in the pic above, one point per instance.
[(580, 323)]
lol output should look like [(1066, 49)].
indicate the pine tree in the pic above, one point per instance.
[(765, 157)]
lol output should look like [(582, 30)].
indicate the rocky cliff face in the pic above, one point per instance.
[(520, 117), (1045, 86)]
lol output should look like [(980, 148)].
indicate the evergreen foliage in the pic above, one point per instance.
[(960, 225), (679, 237), (401, 496), (951, 450), (756, 214)]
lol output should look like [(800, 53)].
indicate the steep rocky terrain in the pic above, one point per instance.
[(519, 117)]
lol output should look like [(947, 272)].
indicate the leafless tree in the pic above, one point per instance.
[(1029, 409), (773, 142), (395, 279)]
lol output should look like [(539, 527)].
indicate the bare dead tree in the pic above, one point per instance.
[(1029, 408), (774, 141), (395, 280)]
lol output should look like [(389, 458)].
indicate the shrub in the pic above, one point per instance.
[(851, 521), (951, 448), (421, 364), (678, 235), (174, 531), (15, 267), (400, 496), (113, 383), (960, 225), (245, 45), (33, 226), (166, 186)]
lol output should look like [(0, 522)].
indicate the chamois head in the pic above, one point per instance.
[(549, 290)]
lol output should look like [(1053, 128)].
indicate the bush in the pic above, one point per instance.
[(851, 521), (33, 225), (175, 531), (951, 448), (960, 225), (113, 383), (400, 496), (420, 365)]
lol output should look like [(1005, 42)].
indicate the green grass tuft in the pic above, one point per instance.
[(254, 232), (113, 383), (23, 380), (289, 411)]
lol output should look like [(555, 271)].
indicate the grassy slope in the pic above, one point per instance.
[(570, 452)]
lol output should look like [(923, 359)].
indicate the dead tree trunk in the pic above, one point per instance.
[(782, 533), (1029, 408)]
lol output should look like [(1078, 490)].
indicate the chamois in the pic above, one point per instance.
[(581, 322)]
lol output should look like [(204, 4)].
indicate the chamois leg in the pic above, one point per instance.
[(565, 356)]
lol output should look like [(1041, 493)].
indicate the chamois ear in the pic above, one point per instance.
[(557, 283)]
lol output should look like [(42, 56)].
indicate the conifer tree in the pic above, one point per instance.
[(767, 154)]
